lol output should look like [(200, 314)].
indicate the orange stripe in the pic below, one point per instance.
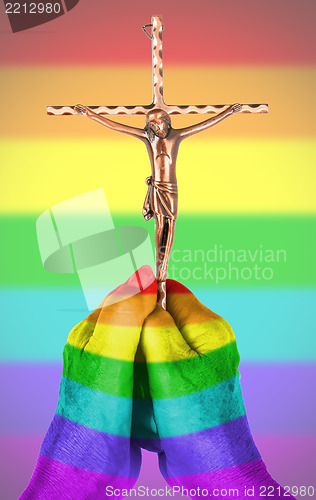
[(280, 87)]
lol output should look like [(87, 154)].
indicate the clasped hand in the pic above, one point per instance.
[(137, 376)]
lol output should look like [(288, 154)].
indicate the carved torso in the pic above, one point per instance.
[(163, 156)]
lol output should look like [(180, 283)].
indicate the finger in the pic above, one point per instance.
[(113, 329), (161, 349), (88, 445), (122, 315), (164, 349), (155, 375), (180, 379), (100, 351), (202, 329), (174, 368), (161, 340)]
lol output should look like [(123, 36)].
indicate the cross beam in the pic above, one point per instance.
[(158, 100)]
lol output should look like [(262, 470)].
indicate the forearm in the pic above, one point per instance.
[(88, 449), (118, 127), (106, 122), (199, 127), (79, 462), (197, 401), (243, 481), (186, 132), (53, 479), (220, 117)]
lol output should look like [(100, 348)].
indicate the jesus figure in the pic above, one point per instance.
[(161, 202)]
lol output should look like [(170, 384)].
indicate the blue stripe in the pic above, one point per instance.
[(213, 406), (278, 398), (94, 409), (271, 325), (112, 414)]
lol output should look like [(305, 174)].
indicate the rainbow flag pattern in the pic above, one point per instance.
[(203, 437), (246, 199), (88, 446), (184, 402)]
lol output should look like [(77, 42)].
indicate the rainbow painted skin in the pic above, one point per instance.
[(199, 425), (88, 445), (138, 376)]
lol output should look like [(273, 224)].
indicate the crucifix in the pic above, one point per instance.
[(162, 142)]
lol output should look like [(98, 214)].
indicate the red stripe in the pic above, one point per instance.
[(201, 32), (141, 281), (176, 287)]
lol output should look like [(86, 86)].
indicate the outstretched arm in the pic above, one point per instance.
[(194, 129), (119, 127)]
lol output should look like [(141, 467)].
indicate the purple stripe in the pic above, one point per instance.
[(216, 448), (279, 399), (252, 477), (30, 394), (53, 480), (76, 445), (289, 459)]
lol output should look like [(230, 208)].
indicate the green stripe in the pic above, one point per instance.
[(295, 234), (97, 372), (169, 380)]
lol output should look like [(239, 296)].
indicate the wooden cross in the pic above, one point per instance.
[(158, 100)]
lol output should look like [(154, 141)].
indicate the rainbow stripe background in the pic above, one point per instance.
[(247, 184)]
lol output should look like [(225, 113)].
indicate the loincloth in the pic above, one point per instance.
[(161, 199)]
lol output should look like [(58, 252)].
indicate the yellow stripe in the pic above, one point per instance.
[(25, 93), (209, 335), (217, 176), (111, 341), (167, 344)]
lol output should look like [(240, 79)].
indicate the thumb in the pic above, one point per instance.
[(100, 351), (202, 329), (166, 354), (180, 378), (161, 340)]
